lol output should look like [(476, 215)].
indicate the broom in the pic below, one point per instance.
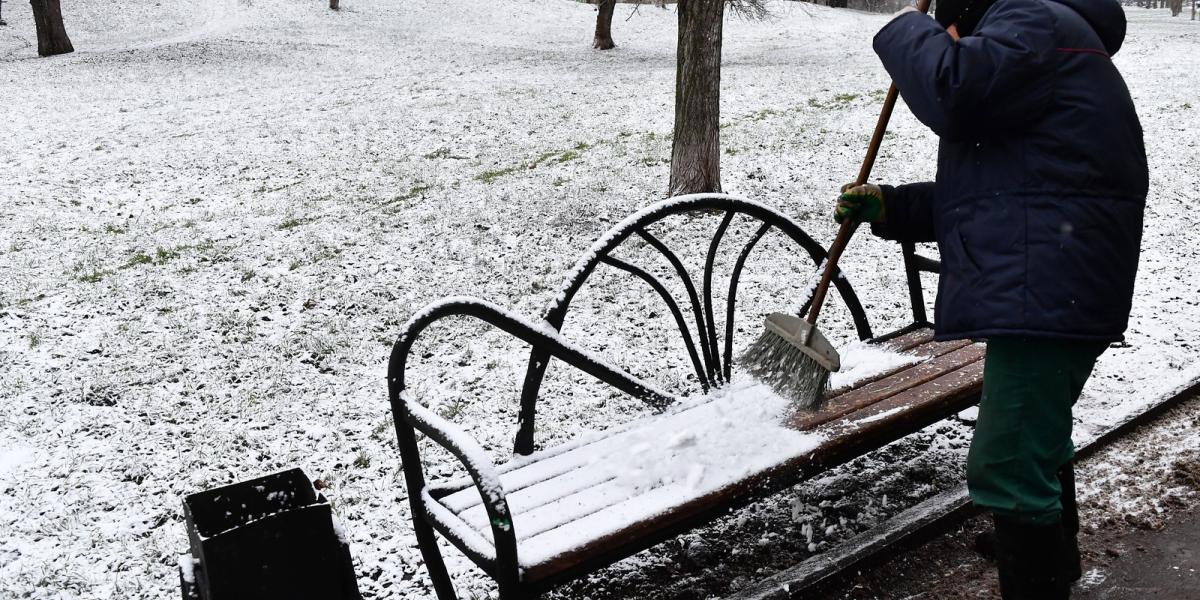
[(791, 355)]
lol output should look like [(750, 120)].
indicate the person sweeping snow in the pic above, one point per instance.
[(1037, 212)]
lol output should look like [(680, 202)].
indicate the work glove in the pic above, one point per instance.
[(860, 203)]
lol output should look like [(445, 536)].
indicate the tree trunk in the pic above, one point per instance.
[(604, 17), (333, 4), (1176, 8), (696, 153), (51, 34)]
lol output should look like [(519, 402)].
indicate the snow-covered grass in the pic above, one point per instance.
[(217, 215)]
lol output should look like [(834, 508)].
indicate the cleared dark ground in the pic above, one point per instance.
[(1144, 545)]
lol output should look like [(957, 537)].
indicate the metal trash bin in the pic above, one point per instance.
[(270, 538)]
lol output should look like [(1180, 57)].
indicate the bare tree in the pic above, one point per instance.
[(51, 34), (695, 154), (603, 40), (696, 149)]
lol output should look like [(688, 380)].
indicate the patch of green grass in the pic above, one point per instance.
[(292, 222), (439, 153), (731, 151), (138, 258), (452, 409), (264, 189), (28, 301), (95, 276), (763, 114), (363, 460), (382, 428), (494, 174), (838, 101), (556, 157), (114, 229), (414, 191), (162, 255)]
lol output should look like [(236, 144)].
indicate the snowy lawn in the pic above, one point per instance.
[(216, 215)]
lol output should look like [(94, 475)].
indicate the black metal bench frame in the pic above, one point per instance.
[(712, 362)]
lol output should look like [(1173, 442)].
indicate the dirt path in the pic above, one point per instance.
[(1161, 565), (1140, 535)]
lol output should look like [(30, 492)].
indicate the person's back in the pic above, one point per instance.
[(1038, 130), (1037, 212)]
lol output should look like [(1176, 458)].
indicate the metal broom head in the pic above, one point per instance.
[(793, 358)]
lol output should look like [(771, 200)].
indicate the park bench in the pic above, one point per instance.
[(556, 514)]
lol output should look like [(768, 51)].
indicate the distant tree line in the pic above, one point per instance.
[(1176, 6)]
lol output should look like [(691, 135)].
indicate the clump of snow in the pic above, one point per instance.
[(861, 360), (12, 459), (879, 416), (339, 531), (702, 444), (187, 568), (728, 435)]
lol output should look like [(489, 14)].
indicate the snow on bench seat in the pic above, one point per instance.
[(574, 500)]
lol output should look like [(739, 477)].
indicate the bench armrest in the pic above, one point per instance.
[(479, 466)]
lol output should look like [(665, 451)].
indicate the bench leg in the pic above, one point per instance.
[(427, 542), (516, 592), (414, 478)]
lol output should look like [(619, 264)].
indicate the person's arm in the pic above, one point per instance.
[(907, 213), (998, 78)]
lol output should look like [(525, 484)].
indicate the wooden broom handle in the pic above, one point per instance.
[(864, 173)]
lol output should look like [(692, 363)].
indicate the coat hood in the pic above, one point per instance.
[(1106, 17)]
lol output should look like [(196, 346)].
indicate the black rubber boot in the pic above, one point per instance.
[(1072, 563), (1030, 559), (985, 543)]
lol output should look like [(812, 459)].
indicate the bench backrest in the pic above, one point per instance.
[(709, 350)]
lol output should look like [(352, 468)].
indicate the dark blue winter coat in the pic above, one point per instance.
[(1042, 178)]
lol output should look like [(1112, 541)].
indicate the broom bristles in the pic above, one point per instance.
[(789, 371)]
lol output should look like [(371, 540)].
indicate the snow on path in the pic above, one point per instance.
[(209, 242)]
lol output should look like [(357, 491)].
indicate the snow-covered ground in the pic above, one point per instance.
[(216, 216)]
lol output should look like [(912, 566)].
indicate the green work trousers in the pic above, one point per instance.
[(1023, 432)]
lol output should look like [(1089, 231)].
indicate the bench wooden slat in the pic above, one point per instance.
[(864, 396), (557, 472), (556, 499), (517, 476), (850, 437), (910, 340), (526, 479), (928, 349), (904, 407)]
